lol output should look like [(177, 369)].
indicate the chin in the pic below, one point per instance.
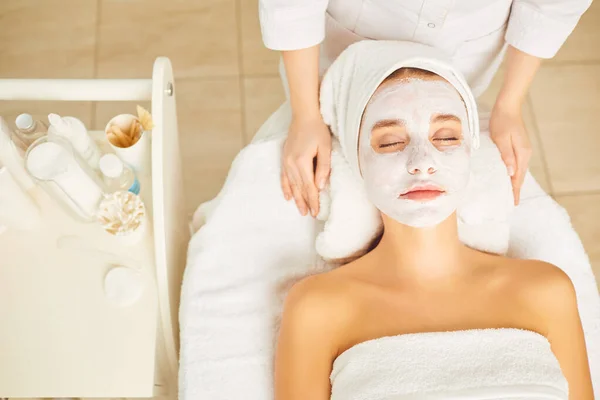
[(425, 214)]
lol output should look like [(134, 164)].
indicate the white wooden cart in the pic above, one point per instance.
[(59, 337)]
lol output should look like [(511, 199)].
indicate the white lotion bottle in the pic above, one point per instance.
[(76, 133)]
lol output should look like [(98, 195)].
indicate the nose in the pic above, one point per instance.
[(422, 163)]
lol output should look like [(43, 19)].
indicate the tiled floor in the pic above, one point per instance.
[(227, 84)]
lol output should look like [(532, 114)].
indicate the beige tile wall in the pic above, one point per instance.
[(227, 84)]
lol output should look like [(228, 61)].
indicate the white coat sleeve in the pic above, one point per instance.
[(540, 27), (292, 24)]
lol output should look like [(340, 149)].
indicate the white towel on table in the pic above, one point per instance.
[(253, 244)]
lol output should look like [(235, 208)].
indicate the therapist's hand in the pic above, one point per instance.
[(308, 139), (508, 132)]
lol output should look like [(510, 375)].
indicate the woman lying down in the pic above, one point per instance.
[(422, 316)]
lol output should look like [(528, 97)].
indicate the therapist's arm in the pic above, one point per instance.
[(506, 124), (308, 136), (536, 30), (296, 28)]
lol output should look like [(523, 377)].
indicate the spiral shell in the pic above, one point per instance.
[(121, 213)]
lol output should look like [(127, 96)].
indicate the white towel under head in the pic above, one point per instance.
[(352, 222)]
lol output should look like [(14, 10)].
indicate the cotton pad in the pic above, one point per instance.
[(123, 286)]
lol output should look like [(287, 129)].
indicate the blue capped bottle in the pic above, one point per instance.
[(118, 176)]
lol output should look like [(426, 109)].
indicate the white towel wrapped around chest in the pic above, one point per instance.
[(475, 364)]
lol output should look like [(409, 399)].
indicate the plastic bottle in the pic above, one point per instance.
[(74, 131), (29, 130), (12, 159), (118, 176), (65, 176)]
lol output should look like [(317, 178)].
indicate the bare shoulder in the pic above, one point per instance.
[(320, 301), (545, 288), (542, 278), (529, 275)]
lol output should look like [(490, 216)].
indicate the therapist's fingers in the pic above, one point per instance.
[(295, 181), (523, 152), (285, 185), (296, 184), (507, 152), (309, 188), (323, 166), (300, 203)]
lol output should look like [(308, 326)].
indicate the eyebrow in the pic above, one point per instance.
[(387, 123), (445, 117)]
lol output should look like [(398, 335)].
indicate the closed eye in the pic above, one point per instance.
[(387, 145), (447, 137), (389, 138)]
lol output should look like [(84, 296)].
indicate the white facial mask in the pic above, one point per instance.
[(387, 176)]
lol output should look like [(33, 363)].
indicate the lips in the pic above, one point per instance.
[(422, 193)]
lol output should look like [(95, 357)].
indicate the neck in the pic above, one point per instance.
[(423, 254)]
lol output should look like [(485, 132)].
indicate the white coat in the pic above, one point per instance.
[(473, 32)]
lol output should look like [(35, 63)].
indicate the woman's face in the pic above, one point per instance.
[(414, 150)]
